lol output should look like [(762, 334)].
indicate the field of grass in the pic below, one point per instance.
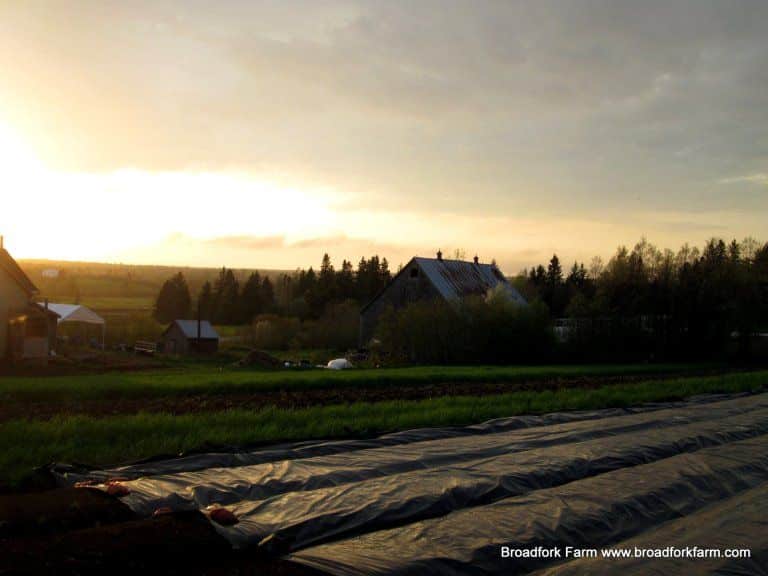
[(106, 304), (212, 380), (25, 444)]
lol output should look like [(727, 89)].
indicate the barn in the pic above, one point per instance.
[(24, 325), (190, 337), (432, 278)]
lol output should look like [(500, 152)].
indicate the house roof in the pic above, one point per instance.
[(9, 265), (44, 310), (189, 329), (32, 310), (455, 279)]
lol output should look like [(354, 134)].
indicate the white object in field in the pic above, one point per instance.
[(339, 364)]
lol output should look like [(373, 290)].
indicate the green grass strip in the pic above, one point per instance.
[(25, 444), (211, 380)]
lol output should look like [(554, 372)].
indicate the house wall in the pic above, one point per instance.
[(12, 299), (53, 331), (403, 290)]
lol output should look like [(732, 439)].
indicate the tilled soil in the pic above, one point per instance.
[(84, 531), (297, 398)]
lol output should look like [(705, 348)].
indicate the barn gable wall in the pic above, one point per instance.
[(404, 289)]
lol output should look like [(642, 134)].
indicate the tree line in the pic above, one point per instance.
[(643, 303), (306, 294), (689, 303)]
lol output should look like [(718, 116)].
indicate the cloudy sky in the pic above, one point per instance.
[(263, 133)]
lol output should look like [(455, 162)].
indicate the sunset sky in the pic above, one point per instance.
[(264, 133)]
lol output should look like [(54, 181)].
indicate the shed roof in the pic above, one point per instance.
[(11, 267), (189, 329), (457, 278)]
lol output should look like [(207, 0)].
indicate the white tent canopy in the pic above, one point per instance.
[(77, 313)]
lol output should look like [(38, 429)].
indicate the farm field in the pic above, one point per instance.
[(654, 475), (181, 379), (115, 304), (45, 423)]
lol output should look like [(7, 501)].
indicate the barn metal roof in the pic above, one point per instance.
[(457, 278), (189, 329)]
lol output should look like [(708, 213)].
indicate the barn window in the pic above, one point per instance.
[(414, 272)]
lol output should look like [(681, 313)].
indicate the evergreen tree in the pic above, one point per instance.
[(251, 300), (226, 293), (345, 281), (326, 283), (173, 301), (554, 272), (267, 295), (384, 274), (206, 302)]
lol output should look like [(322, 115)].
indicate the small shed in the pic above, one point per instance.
[(190, 337)]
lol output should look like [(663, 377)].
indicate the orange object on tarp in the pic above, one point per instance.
[(223, 516), (117, 489)]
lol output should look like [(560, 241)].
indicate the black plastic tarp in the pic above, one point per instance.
[(443, 501), (300, 518), (736, 524), (595, 512)]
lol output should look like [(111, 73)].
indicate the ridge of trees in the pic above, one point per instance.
[(688, 303), (304, 293)]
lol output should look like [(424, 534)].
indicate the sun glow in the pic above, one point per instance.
[(18, 161), (113, 215)]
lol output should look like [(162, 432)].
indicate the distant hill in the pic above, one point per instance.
[(117, 286)]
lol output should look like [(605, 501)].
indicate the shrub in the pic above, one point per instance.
[(336, 329), (272, 332), (128, 328), (475, 330)]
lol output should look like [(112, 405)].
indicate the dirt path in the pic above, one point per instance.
[(298, 398)]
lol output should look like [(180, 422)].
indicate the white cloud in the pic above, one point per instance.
[(758, 178)]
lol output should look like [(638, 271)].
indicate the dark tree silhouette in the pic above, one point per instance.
[(173, 301), (206, 303), (226, 296), (252, 302)]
